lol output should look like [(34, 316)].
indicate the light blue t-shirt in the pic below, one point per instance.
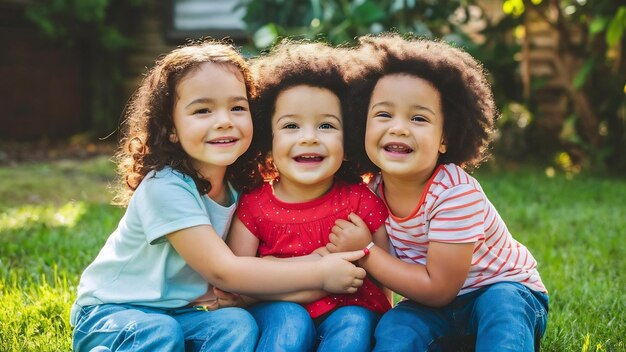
[(137, 264)]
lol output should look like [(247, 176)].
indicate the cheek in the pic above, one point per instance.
[(370, 138)]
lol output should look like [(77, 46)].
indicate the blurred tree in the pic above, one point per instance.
[(340, 21), (587, 60), (101, 29), (588, 72)]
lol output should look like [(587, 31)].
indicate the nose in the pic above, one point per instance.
[(309, 136), (223, 119), (399, 127)]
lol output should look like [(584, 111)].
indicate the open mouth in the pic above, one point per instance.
[(397, 148), (308, 158), (222, 141)]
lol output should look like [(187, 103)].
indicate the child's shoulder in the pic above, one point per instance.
[(165, 178), (452, 175), (256, 193), (360, 193), (354, 188)]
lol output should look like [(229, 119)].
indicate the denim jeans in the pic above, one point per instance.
[(505, 316), (286, 326), (124, 327)]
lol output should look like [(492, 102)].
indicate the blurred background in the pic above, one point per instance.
[(558, 67)]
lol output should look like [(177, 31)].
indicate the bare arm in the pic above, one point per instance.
[(243, 243), (209, 255), (381, 240), (435, 284)]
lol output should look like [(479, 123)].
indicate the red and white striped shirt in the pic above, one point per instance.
[(454, 209)]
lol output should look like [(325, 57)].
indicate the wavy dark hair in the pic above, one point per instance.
[(290, 64), (467, 100), (145, 145)]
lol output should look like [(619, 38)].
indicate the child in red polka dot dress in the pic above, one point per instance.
[(299, 129)]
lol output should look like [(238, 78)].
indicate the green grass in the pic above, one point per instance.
[(55, 217)]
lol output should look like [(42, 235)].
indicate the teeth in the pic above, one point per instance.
[(398, 148), (224, 141)]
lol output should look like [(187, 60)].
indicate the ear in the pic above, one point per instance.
[(173, 136), (443, 147)]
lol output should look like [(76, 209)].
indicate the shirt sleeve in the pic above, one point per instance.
[(166, 203), (457, 215), (245, 214), (371, 208)]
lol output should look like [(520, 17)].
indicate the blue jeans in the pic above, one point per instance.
[(287, 326), (505, 316), (125, 327)]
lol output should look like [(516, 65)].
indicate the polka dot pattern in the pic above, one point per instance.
[(296, 229)]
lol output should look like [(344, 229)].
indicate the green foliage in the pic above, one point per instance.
[(573, 226), (341, 21), (616, 27), (592, 34), (600, 25)]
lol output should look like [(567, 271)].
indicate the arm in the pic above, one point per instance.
[(243, 243), (209, 255), (434, 284), (381, 240)]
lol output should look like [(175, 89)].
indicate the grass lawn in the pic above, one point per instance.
[(54, 217)]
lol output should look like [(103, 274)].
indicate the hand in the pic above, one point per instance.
[(228, 299), (349, 235), (322, 251), (340, 275)]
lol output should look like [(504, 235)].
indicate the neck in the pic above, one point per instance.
[(402, 195), (299, 193), (219, 191)]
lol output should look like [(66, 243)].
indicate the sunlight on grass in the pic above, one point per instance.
[(55, 217), (47, 215), (587, 345), (41, 324)]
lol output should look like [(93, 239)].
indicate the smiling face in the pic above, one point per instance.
[(404, 133), (307, 144), (212, 117)]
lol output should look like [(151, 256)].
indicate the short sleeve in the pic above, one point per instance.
[(166, 203), (371, 208), (457, 216), (245, 214)]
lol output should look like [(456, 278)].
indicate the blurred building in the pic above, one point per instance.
[(45, 85)]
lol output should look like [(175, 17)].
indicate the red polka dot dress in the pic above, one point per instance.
[(296, 229)]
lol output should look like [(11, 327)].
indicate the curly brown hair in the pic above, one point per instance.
[(289, 64), (145, 145), (467, 100)]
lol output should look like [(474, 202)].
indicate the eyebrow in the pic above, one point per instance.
[(325, 115), (418, 107), (209, 100)]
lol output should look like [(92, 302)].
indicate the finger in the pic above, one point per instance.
[(353, 256), (342, 223), (352, 289), (332, 237), (355, 219), (217, 291), (213, 305), (226, 303), (360, 273), (357, 283), (331, 247), (221, 294)]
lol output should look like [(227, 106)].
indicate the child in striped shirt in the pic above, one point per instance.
[(428, 114)]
